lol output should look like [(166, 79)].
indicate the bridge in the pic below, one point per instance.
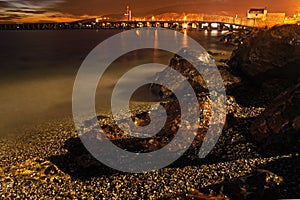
[(176, 25), (206, 22)]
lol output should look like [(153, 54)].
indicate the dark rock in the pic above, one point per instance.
[(278, 127), (237, 38), (201, 60), (184, 68), (214, 53), (261, 184), (196, 194), (270, 54)]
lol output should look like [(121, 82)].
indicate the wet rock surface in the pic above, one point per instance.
[(270, 54), (238, 37), (50, 162), (191, 71), (261, 184), (278, 127)]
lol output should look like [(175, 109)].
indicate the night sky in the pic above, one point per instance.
[(70, 10)]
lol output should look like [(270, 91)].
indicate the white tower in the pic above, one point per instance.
[(128, 13)]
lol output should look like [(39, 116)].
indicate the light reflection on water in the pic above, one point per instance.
[(213, 33), (39, 68)]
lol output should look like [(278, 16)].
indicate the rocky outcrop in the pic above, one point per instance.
[(278, 127), (261, 184), (239, 37), (204, 63), (270, 62), (271, 54)]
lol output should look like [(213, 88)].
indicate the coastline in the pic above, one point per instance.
[(50, 160), (39, 161), (37, 84)]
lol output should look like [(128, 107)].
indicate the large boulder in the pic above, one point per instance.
[(278, 127), (202, 62), (270, 54)]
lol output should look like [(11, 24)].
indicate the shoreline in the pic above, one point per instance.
[(33, 91), (44, 162), (51, 162)]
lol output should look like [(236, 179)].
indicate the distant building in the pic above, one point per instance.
[(295, 19), (275, 19), (128, 13), (257, 13)]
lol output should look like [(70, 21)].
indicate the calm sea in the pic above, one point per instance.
[(38, 69)]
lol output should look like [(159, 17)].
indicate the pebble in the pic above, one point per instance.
[(26, 171)]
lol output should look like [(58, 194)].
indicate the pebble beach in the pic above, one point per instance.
[(49, 161)]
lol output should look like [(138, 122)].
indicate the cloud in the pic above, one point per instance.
[(6, 17), (34, 10), (31, 4), (26, 10), (23, 15)]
